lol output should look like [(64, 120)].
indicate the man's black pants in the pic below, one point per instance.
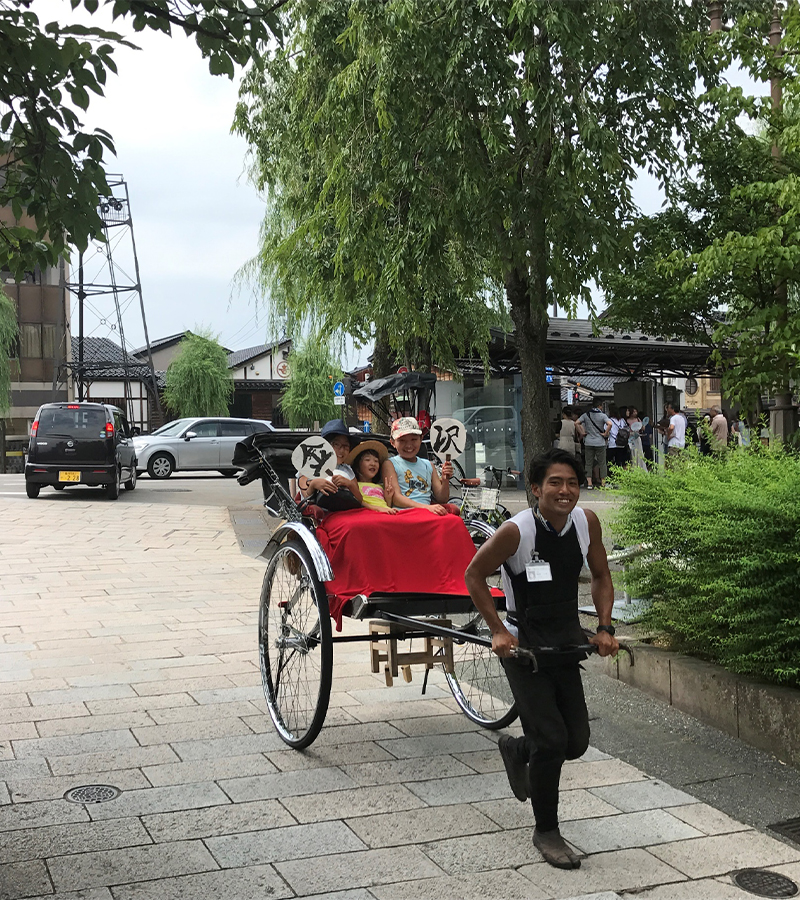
[(555, 724)]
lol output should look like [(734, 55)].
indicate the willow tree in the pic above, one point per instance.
[(9, 331), (199, 382), (313, 371), (494, 142)]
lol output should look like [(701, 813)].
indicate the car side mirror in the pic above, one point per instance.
[(189, 435), (136, 431)]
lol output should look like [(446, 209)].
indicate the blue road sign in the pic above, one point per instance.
[(338, 389)]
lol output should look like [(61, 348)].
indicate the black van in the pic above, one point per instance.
[(80, 443)]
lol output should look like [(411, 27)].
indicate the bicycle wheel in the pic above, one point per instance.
[(295, 645), (478, 682)]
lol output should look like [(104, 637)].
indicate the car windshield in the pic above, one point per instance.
[(79, 421), (170, 428)]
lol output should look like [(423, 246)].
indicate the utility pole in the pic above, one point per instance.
[(81, 298)]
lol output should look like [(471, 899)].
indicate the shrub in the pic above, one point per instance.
[(723, 560)]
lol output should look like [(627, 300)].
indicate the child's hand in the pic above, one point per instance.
[(388, 491), (389, 510), (341, 480), (324, 485), (447, 469), (438, 509)]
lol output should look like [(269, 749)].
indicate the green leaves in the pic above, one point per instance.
[(308, 397), (723, 560), (198, 380)]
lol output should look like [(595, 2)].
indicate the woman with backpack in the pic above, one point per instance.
[(618, 451)]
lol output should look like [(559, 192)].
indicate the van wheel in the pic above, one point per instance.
[(161, 465), (112, 490), (131, 483), (32, 490), (229, 473)]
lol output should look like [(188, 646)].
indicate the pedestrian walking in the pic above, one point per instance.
[(541, 553), (596, 426)]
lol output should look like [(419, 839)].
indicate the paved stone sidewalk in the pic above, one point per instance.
[(129, 658)]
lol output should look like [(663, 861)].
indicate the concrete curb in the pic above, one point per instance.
[(763, 715)]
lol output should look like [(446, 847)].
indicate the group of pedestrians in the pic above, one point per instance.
[(598, 438)]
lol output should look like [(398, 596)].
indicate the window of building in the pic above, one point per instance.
[(714, 385), (30, 341)]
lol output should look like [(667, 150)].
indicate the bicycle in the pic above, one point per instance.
[(493, 474)]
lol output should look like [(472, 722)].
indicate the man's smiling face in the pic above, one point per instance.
[(558, 493)]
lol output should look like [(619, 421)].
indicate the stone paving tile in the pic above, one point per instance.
[(357, 894), (216, 820), (505, 884), (251, 883), (69, 746), (17, 731), (705, 889), (210, 769), (196, 712), (32, 789), (23, 768), (111, 760), (626, 830), (346, 734), (462, 789), (24, 879), (596, 774), (111, 867), (483, 852), (28, 683), (60, 840), (398, 693), (707, 819), (215, 748), (42, 697), (420, 825), (135, 703), (286, 784), (624, 870), (292, 842), (14, 701), (160, 799), (156, 686), (92, 894), (38, 815), (227, 695), (423, 725), (639, 795), (482, 760), (401, 770), (30, 713), (351, 870), (392, 712), (510, 813), (718, 854), (362, 801), (188, 731), (323, 756), (432, 745), (90, 724)]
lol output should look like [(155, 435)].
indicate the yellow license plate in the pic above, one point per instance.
[(69, 476)]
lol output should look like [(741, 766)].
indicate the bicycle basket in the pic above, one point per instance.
[(479, 499)]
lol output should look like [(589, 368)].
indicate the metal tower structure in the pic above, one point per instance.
[(111, 269)]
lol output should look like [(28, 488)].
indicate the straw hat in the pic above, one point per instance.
[(375, 446)]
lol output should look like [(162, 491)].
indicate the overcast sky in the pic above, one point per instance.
[(196, 217)]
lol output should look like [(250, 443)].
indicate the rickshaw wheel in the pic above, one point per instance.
[(295, 645), (478, 683)]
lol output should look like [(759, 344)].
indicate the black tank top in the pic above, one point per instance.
[(547, 611)]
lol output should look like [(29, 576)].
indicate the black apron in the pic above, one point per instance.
[(547, 611)]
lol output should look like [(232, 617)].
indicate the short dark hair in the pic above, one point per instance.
[(542, 464)]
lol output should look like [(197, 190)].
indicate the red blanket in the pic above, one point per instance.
[(413, 552)]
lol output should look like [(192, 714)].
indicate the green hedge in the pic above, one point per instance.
[(723, 561)]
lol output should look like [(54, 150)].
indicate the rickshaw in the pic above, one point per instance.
[(295, 634)]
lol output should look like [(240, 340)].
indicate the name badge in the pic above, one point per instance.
[(538, 570)]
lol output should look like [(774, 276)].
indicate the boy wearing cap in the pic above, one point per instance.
[(411, 480)]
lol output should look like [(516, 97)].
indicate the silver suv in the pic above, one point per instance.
[(194, 445)]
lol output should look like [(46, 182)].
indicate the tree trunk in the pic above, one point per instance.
[(530, 325)]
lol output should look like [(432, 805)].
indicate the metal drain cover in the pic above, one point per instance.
[(765, 884), (102, 793)]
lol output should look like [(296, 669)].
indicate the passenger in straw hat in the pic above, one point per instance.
[(366, 461)]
